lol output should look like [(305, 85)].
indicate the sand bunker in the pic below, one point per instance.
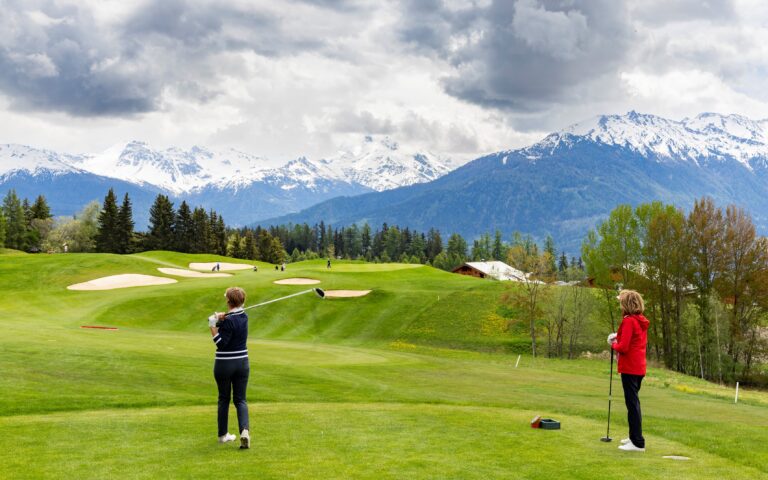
[(297, 281), (346, 293), (121, 281), (224, 266), (179, 272)]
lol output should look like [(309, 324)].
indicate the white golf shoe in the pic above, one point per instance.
[(624, 441), (630, 447), (245, 439), (227, 438)]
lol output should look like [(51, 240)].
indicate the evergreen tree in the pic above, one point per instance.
[(235, 245), (200, 231), (549, 247), (161, 224), (214, 241), (27, 208), (434, 244), (15, 221), (107, 234), (221, 233), (365, 239), (2, 228), (183, 229), (124, 233), (40, 209), (250, 246), (562, 265), (498, 252)]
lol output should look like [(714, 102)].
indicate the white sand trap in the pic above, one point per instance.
[(346, 293), (121, 281), (297, 281), (224, 266), (180, 272), (675, 457)]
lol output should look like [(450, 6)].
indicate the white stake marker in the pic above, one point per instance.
[(736, 400), (518, 360)]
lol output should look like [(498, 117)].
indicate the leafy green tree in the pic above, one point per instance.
[(161, 225), (235, 245), (15, 221), (549, 247), (107, 235), (78, 233)]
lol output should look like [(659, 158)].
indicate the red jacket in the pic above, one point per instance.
[(631, 340)]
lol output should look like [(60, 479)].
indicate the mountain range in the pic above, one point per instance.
[(560, 186), (237, 184), (570, 180)]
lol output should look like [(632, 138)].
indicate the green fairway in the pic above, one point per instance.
[(415, 380)]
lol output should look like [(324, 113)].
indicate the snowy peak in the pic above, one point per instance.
[(20, 158), (708, 136), (382, 164)]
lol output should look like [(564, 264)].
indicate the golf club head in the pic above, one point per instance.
[(606, 439), (319, 292)]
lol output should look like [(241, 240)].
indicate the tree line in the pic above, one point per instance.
[(109, 227), (704, 276)]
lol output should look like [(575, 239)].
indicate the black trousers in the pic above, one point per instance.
[(232, 379), (631, 384)]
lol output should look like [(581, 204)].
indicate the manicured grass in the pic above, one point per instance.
[(339, 388)]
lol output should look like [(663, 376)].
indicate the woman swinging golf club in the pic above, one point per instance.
[(630, 343), (231, 368)]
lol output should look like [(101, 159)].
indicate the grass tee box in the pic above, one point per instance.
[(358, 388)]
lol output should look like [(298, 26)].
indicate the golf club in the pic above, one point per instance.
[(318, 291), (607, 437)]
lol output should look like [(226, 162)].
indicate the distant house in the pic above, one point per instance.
[(495, 270)]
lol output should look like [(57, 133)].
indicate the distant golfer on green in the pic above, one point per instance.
[(231, 368), (630, 344)]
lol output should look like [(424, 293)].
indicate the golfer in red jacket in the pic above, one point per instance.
[(629, 343)]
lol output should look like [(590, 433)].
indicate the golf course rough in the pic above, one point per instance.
[(332, 393)]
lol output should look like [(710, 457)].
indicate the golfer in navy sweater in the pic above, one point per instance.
[(231, 368)]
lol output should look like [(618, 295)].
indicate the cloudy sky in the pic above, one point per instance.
[(302, 77)]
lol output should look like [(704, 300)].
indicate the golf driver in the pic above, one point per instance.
[(318, 291)]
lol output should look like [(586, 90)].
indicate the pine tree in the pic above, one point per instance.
[(562, 265), (221, 233), (183, 229), (200, 231), (161, 222), (250, 246), (2, 228), (107, 234), (125, 224), (27, 208), (15, 223), (549, 247), (214, 240), (498, 247), (40, 209)]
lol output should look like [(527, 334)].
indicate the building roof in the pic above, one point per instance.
[(498, 270)]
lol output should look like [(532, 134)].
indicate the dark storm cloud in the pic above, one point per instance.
[(58, 58), (526, 54)]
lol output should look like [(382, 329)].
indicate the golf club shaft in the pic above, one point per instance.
[(610, 397), (278, 299)]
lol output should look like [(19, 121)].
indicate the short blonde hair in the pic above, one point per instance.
[(631, 302), (235, 297)]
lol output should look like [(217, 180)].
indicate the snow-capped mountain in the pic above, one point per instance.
[(566, 183), (706, 137), (226, 180), (382, 164), (17, 158)]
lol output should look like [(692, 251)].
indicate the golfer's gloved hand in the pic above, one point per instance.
[(611, 339), (213, 319)]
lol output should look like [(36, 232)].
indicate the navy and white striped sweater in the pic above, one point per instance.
[(231, 341)]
